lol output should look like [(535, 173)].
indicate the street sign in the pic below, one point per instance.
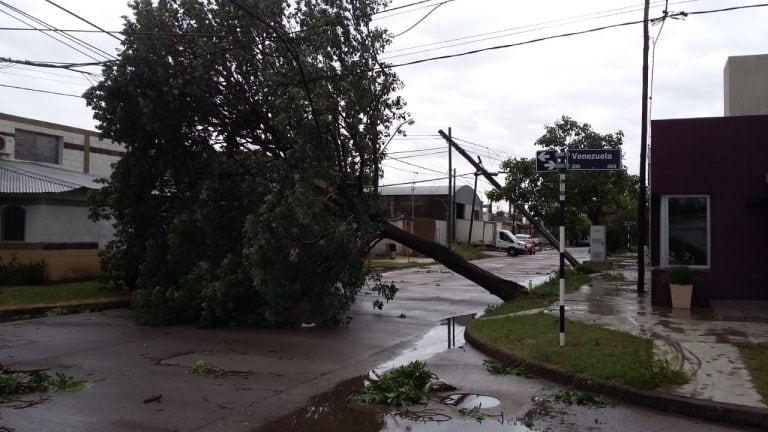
[(594, 160), (546, 161), (580, 160)]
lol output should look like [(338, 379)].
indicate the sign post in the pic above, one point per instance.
[(561, 159), (573, 160)]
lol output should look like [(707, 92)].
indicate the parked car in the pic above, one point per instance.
[(509, 242), (530, 246), (524, 237)]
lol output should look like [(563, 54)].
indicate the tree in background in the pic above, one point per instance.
[(243, 196), (592, 198), (520, 187)]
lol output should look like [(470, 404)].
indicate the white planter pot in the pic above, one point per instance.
[(681, 295)]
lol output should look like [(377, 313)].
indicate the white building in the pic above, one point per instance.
[(46, 171)]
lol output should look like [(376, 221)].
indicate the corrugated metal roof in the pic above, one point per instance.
[(22, 177)]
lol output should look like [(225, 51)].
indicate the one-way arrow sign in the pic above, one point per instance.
[(546, 160)]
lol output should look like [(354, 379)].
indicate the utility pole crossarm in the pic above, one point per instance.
[(552, 240)]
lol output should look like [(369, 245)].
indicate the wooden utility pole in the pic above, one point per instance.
[(642, 194), (552, 240)]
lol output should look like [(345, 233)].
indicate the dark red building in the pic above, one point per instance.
[(709, 206)]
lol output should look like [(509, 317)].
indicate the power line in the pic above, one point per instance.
[(414, 151), (84, 20), (402, 7), (422, 19), (416, 166), (70, 66), (498, 152), (40, 91), (50, 36), (568, 34), (17, 67), (510, 31), (425, 181), (422, 155), (45, 79), (74, 39)]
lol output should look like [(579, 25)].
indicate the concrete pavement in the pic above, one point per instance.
[(273, 373), (695, 340), (269, 372)]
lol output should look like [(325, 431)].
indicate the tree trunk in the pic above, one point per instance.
[(501, 288)]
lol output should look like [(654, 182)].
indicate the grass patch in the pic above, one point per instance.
[(498, 368), (404, 385), (756, 359), (577, 397), (591, 350), (386, 264), (204, 368), (541, 296), (39, 295), (468, 252), (20, 383)]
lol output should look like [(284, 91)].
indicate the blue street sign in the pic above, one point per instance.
[(594, 160), (580, 160), (546, 161)]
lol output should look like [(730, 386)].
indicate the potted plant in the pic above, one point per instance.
[(680, 286)]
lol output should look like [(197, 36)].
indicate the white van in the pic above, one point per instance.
[(507, 241)]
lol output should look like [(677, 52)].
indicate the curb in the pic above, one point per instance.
[(11, 314), (705, 409)]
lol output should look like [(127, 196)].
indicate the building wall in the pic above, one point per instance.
[(62, 264), (746, 85), (59, 224), (725, 158), (81, 150)]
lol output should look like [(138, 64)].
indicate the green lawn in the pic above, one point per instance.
[(756, 359), (386, 264), (53, 294), (590, 350), (543, 295)]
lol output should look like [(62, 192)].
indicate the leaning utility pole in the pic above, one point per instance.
[(641, 198), (552, 240)]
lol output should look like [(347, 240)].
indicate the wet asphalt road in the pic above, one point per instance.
[(270, 374)]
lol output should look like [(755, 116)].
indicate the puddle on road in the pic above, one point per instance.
[(333, 412), (435, 341), (469, 401)]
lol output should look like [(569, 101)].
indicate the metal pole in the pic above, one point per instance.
[(472, 215), (449, 224), (561, 161)]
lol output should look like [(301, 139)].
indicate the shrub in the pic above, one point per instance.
[(680, 275), (15, 273)]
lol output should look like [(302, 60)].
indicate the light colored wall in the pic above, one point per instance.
[(101, 164), (62, 264), (59, 224), (746, 85), (72, 160)]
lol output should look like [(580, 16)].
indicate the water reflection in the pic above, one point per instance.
[(469, 401)]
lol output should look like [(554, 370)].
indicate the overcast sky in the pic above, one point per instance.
[(501, 99)]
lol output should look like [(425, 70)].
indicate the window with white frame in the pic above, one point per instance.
[(685, 230)]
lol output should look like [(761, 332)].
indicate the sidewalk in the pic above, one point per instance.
[(694, 340)]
